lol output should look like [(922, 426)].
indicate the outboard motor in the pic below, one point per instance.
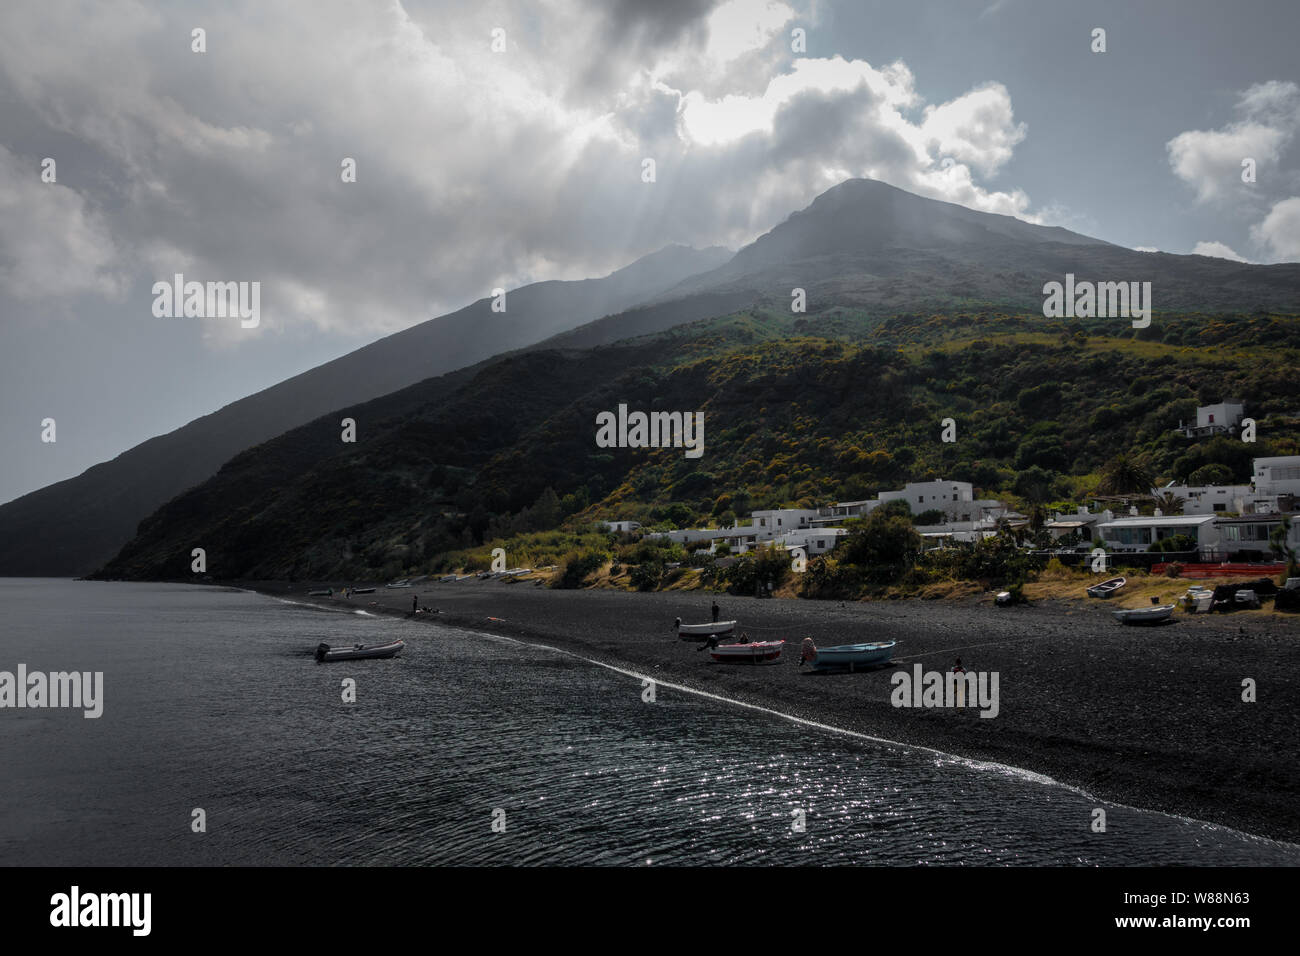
[(321, 650)]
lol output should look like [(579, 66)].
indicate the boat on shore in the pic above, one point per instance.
[(1199, 599), (1144, 615), (325, 654), (702, 632), (1106, 588), (851, 656), (755, 652), (398, 584), (362, 591), (321, 592)]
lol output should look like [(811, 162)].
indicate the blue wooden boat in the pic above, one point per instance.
[(852, 656)]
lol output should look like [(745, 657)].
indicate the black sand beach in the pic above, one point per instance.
[(1147, 716)]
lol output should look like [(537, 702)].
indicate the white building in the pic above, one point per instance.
[(956, 499), (1210, 499), (1276, 486), (849, 509), (814, 541), (1277, 476), (1082, 523), (1250, 534), (1214, 419), (951, 497), (1139, 532), (782, 520), (621, 525)]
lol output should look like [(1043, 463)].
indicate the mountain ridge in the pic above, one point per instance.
[(72, 526)]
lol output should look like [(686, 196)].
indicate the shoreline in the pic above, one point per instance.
[(1146, 717)]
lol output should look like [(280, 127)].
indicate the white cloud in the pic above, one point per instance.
[(474, 169), (1280, 231), (742, 26), (1211, 160), (976, 128), (1145, 249), (53, 243), (1218, 250)]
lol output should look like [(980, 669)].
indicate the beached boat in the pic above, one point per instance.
[(1144, 615), (325, 653), (702, 632), (1198, 599), (852, 656), (1106, 588), (362, 591), (323, 592), (398, 584), (756, 652)]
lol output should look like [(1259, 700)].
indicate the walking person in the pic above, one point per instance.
[(415, 603), (716, 611)]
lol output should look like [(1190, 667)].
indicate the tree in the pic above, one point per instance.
[(1124, 475), (545, 512), (1034, 484), (1168, 502), (896, 506), (1277, 543), (884, 546), (1211, 474)]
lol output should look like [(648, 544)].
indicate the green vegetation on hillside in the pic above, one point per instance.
[(799, 411)]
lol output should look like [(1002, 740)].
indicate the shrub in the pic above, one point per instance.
[(752, 573), (883, 547), (647, 576), (578, 567), (1178, 543)]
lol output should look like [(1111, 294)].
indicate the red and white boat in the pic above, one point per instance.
[(702, 632), (755, 652)]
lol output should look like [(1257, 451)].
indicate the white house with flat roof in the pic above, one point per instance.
[(1277, 476), (1251, 533), (814, 541), (1210, 499), (1139, 532), (781, 520), (1214, 419), (946, 496)]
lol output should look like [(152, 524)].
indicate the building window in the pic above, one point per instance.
[(1220, 506)]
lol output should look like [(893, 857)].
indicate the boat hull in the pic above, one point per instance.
[(1144, 615), (853, 656), (702, 632), (759, 652), (326, 654), (1107, 588)]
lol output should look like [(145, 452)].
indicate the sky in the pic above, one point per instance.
[(499, 143)]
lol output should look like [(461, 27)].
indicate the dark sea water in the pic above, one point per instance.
[(213, 700)]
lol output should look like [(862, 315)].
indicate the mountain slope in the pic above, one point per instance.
[(868, 245), (798, 411), (75, 525)]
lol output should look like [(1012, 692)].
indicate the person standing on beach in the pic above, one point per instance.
[(415, 603), (716, 611), (809, 652)]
